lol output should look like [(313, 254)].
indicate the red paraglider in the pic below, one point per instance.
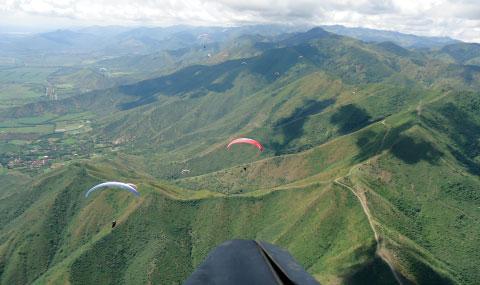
[(247, 141)]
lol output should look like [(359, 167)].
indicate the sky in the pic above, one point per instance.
[(458, 19)]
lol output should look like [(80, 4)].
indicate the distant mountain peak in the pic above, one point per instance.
[(317, 30), (312, 34), (401, 39)]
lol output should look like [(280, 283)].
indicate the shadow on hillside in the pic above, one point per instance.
[(378, 272), (217, 78), (466, 136), (409, 150), (470, 73), (350, 118), (274, 63), (374, 272), (291, 127)]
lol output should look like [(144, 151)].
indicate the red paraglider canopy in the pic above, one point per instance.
[(247, 141)]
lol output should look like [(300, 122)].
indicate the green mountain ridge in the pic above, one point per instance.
[(369, 176)]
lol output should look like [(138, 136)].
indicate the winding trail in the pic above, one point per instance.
[(363, 201), (380, 250)]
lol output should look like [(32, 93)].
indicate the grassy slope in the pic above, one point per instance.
[(324, 89), (322, 120), (407, 174), (417, 173), (161, 237)]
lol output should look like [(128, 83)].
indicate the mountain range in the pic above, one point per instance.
[(369, 174)]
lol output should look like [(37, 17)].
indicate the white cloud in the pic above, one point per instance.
[(459, 19)]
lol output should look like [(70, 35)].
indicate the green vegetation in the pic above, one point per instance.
[(371, 165), (187, 225)]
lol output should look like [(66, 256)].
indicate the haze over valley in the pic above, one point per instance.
[(367, 171)]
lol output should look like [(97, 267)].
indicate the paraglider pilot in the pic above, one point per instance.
[(114, 223)]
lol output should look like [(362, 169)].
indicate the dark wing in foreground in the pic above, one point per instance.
[(249, 262)]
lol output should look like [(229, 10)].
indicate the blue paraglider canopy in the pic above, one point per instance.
[(113, 184)]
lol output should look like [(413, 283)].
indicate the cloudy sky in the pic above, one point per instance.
[(455, 18)]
